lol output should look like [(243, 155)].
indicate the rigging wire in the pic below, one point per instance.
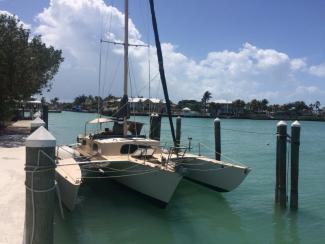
[(114, 79), (99, 78), (108, 49)]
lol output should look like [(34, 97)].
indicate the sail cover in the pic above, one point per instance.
[(123, 110), (100, 121)]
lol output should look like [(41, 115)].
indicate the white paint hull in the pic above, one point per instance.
[(215, 174), (68, 191), (157, 184), (68, 176)]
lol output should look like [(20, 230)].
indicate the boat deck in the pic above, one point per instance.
[(154, 161)]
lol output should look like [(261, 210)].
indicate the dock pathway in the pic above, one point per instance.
[(12, 177)]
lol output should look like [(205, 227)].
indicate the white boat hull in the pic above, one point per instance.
[(159, 185), (68, 177), (215, 174), (68, 192)]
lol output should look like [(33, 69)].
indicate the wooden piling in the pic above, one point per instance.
[(36, 123), (155, 126), (217, 139), (178, 130), (281, 151), (295, 143), (45, 115), (40, 186)]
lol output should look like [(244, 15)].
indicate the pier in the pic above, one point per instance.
[(12, 178)]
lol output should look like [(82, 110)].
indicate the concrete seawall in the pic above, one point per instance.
[(12, 182)]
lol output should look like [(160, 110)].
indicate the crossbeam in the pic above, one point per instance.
[(122, 43)]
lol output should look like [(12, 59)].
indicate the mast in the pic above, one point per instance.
[(161, 69), (126, 63)]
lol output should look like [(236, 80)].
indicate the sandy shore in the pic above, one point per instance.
[(12, 177)]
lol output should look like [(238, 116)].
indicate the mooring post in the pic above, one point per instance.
[(217, 139), (295, 143), (155, 126), (36, 123), (40, 186), (45, 115), (178, 130), (281, 151)]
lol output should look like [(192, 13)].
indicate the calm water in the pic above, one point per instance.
[(113, 214)]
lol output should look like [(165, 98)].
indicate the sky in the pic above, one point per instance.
[(235, 49)]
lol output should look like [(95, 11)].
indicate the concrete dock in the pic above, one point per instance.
[(12, 178)]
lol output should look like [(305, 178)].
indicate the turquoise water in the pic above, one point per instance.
[(110, 213)]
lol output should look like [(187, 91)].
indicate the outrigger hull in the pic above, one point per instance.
[(68, 177), (218, 175), (153, 183), (158, 185)]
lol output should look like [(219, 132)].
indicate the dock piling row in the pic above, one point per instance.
[(295, 143), (155, 127), (40, 186), (45, 115), (281, 162), (36, 123), (217, 139), (281, 165), (178, 130)]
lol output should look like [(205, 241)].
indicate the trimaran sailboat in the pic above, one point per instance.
[(123, 154)]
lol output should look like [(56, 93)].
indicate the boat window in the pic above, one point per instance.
[(95, 147), (131, 148)]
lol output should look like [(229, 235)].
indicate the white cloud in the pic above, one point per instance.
[(25, 25), (308, 89), (76, 28), (318, 70), (298, 64)]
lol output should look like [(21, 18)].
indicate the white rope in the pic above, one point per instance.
[(191, 164), (36, 170), (32, 190), (232, 160), (205, 170), (112, 170), (119, 176), (58, 192), (40, 191), (228, 129)]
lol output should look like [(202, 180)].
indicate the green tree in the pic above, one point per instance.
[(43, 100), (27, 65), (254, 105), (206, 97), (264, 104), (317, 106), (192, 104), (55, 101), (80, 100), (239, 105)]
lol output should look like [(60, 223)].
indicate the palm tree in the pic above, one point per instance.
[(317, 105), (206, 97), (264, 104), (239, 105), (254, 105)]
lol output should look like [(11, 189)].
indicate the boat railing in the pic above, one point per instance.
[(179, 151)]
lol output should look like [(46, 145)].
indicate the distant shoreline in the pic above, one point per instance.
[(251, 117)]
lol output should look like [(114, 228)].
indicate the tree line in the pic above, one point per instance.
[(254, 105), (27, 65), (204, 105)]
